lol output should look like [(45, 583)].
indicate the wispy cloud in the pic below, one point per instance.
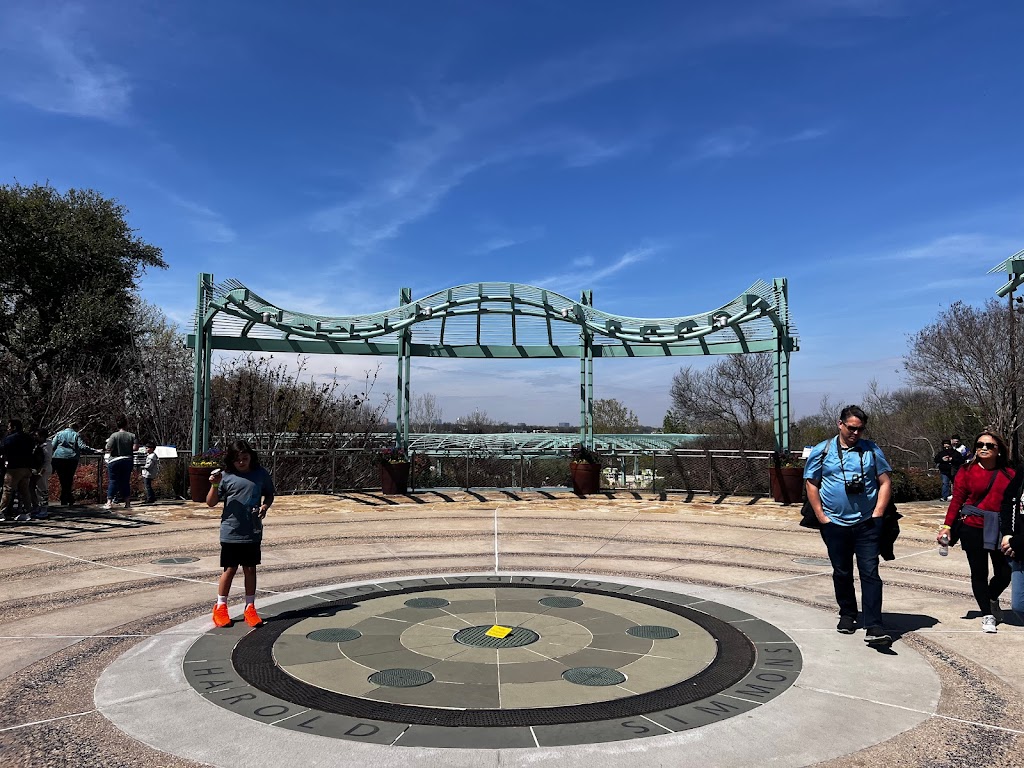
[(499, 241), (52, 64), (736, 141), (595, 276), (467, 132), (206, 224), (971, 247)]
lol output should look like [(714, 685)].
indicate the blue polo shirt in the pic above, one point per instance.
[(824, 464)]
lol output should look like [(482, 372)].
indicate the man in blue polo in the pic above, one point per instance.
[(847, 481)]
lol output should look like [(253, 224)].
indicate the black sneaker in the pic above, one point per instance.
[(846, 625), (877, 636)]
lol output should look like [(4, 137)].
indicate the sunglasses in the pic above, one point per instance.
[(979, 446), (854, 429)]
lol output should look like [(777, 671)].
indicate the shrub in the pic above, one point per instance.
[(914, 485)]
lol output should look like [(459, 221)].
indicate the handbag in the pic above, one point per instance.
[(969, 509)]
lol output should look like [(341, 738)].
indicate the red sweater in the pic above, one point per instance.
[(969, 488)]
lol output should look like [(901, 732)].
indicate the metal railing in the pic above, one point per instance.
[(338, 470)]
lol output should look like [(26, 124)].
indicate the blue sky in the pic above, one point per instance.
[(664, 155)]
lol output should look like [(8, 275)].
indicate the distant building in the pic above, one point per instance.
[(563, 424)]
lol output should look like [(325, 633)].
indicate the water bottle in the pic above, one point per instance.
[(944, 544)]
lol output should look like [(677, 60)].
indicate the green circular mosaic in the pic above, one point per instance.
[(478, 638), (400, 678), (651, 632), (427, 602), (560, 602), (593, 676), (334, 635)]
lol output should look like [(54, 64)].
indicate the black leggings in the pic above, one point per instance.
[(972, 541)]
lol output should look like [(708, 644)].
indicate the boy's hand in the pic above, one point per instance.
[(216, 475)]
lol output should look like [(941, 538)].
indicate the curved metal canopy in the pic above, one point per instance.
[(492, 320), (497, 320)]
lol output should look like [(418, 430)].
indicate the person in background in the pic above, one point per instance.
[(39, 487), (150, 471), (247, 492), (17, 449), (948, 460), (848, 488), (1011, 544), (983, 484), (959, 447), (121, 446), (68, 448)]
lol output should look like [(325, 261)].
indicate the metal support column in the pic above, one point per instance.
[(200, 370), (402, 391), (780, 368)]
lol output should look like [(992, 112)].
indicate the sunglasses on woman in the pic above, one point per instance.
[(979, 446)]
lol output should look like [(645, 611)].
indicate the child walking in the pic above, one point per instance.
[(150, 471), (247, 492)]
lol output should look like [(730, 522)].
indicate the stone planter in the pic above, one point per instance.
[(787, 484), (394, 477), (586, 478), (199, 483)]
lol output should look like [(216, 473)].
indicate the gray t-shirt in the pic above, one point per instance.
[(120, 445), (240, 494)]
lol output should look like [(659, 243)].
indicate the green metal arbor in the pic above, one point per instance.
[(491, 320)]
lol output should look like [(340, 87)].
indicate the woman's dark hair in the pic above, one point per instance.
[(1003, 459), (236, 447), (122, 422)]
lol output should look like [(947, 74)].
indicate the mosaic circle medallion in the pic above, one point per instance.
[(500, 663)]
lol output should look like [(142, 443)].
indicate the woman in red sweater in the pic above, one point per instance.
[(982, 483)]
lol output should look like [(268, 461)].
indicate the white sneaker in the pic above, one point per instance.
[(997, 610), (23, 517), (988, 624), (109, 504)]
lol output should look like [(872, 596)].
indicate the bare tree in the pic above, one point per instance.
[(613, 417), (478, 422), (732, 397), (966, 355), (426, 414)]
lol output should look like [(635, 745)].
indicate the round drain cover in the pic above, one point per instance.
[(427, 602), (560, 602), (651, 632), (822, 561), (334, 635), (175, 560), (478, 638), (594, 676), (400, 678)]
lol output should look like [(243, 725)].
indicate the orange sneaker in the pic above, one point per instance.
[(251, 617), (220, 615)]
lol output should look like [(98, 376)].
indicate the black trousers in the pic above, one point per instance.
[(972, 541), (65, 471)]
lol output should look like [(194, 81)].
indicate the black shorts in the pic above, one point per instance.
[(233, 555)]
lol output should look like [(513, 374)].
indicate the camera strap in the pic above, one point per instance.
[(842, 466)]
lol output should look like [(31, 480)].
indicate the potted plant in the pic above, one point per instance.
[(199, 473), (786, 476), (585, 469), (394, 469)]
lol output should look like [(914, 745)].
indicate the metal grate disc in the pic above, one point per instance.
[(334, 635), (560, 602), (593, 676), (400, 678), (427, 602), (478, 638), (175, 560), (651, 632)]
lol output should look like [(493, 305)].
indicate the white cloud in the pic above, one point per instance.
[(207, 225), (51, 64), (595, 276), (970, 247)]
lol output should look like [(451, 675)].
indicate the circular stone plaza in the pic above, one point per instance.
[(493, 629)]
